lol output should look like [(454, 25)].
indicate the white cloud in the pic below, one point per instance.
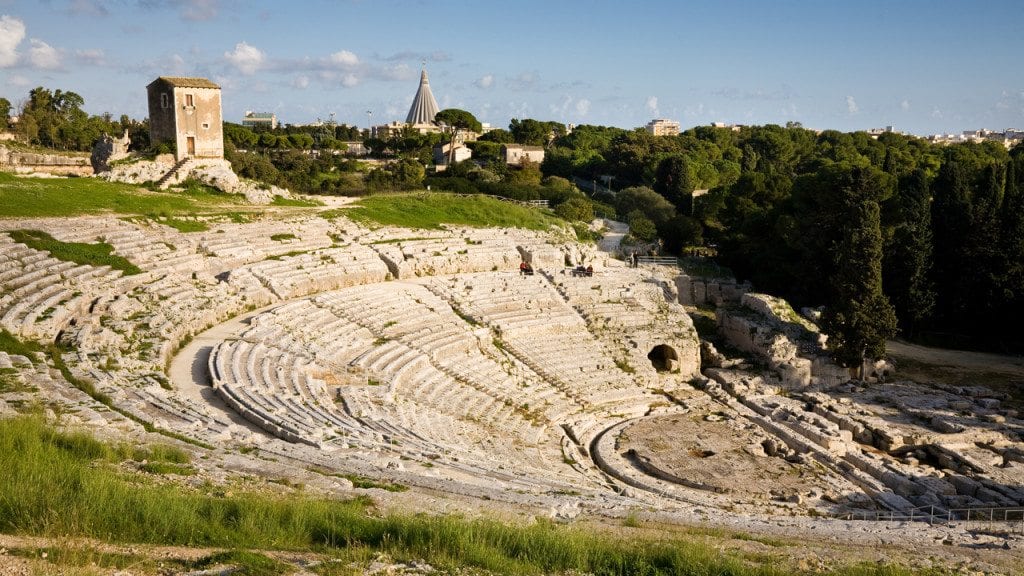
[(905, 105), (344, 58), (936, 113), (652, 105), (18, 80), (247, 59), (851, 105), (582, 106), (301, 82), (42, 55), (12, 32), (349, 80), (485, 81)]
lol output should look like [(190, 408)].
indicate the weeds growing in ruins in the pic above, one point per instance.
[(95, 254)]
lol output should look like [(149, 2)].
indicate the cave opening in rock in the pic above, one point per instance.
[(664, 358)]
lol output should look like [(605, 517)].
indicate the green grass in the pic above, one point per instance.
[(12, 345), (430, 210), (184, 225), (97, 254), (41, 197), (60, 484)]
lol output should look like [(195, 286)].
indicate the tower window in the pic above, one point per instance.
[(163, 100)]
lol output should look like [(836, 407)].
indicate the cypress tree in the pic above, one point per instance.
[(951, 226), (858, 317), (908, 252), (1011, 248)]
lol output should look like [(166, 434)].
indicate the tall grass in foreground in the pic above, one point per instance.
[(429, 210), (56, 484)]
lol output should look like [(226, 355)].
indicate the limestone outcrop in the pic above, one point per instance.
[(792, 346), (213, 172)]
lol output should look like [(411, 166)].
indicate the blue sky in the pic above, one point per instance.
[(922, 66)]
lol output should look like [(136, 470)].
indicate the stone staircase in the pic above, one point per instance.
[(162, 183)]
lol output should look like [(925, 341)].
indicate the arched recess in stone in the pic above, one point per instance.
[(664, 358)]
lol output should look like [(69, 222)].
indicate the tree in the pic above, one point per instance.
[(5, 113), (534, 132), (641, 227), (858, 317), (640, 198), (575, 209), (672, 180), (679, 232), (951, 225), (906, 264), (457, 120), (498, 136)]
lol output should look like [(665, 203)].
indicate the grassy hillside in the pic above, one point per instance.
[(430, 210), (40, 197), (60, 484)]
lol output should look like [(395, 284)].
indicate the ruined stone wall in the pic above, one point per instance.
[(716, 291), (768, 328), (30, 162)]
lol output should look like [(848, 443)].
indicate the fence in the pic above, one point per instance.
[(1011, 519), (659, 260)]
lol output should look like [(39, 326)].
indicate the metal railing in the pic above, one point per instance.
[(1011, 518), (659, 260)]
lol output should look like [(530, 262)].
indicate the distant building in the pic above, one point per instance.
[(187, 113), (514, 154), (443, 151), (424, 107), (1008, 138), (254, 119), (662, 127)]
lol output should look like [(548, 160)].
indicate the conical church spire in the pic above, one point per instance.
[(424, 107)]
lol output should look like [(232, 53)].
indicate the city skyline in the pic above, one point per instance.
[(921, 67)]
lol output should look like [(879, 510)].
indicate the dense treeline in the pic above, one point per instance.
[(55, 119), (894, 224)]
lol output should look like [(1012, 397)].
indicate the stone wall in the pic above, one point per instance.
[(30, 162), (695, 291), (769, 329)]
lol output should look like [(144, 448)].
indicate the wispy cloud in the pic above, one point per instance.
[(92, 57), (905, 105), (485, 82), (652, 105), (88, 8), (851, 105), (407, 56), (191, 10)]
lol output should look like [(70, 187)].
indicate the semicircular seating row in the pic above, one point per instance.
[(394, 366)]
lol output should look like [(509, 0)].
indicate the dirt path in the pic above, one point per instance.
[(190, 374), (613, 234), (958, 359)]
